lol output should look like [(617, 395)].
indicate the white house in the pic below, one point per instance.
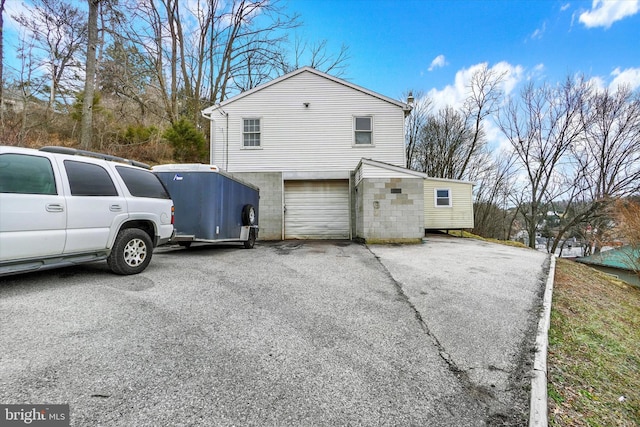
[(300, 139)]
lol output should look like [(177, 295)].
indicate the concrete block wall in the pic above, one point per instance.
[(390, 209), (270, 209)]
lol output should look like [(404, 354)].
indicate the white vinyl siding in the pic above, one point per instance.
[(316, 209), (317, 137), (459, 212)]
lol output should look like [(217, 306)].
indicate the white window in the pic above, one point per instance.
[(251, 133), (443, 197), (363, 129)]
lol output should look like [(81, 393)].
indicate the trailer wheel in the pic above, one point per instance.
[(251, 241), (248, 215), (131, 252)]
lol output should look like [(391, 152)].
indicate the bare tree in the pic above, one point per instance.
[(443, 145), (415, 125), (1, 59), (60, 31), (542, 125), (199, 49), (484, 96), (125, 79), (316, 55), (494, 190), (609, 157), (452, 142)]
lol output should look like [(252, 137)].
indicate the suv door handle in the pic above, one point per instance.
[(115, 208), (54, 207)]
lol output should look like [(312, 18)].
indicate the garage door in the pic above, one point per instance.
[(316, 209)]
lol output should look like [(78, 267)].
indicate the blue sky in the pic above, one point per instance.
[(433, 45)]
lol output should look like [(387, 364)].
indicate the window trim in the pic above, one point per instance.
[(371, 131), (242, 132), (449, 197)]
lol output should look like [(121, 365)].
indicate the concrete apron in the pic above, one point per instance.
[(480, 302)]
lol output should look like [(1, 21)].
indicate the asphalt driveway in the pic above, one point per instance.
[(289, 333)]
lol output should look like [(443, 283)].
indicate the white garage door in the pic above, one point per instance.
[(316, 209)]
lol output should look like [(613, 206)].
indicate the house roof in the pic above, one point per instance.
[(624, 258), (311, 70), (389, 166)]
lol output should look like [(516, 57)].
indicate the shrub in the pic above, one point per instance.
[(189, 145)]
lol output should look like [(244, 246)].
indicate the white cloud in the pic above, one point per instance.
[(537, 34), (438, 62), (565, 7), (597, 83), (11, 9), (629, 77), (455, 94), (604, 13)]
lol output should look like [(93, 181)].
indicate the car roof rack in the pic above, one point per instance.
[(76, 152)]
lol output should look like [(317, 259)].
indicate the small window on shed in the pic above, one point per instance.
[(443, 197), (251, 133)]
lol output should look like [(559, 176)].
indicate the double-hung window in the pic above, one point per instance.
[(363, 129), (443, 197), (251, 133)]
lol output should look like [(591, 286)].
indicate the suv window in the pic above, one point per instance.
[(142, 183), (24, 174), (87, 179)]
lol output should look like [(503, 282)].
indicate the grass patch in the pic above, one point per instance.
[(594, 349)]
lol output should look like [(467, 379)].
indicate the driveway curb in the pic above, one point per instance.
[(538, 413)]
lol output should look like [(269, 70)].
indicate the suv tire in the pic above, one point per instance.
[(131, 252)]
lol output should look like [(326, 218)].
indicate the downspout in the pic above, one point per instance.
[(226, 168), (226, 135), (212, 130)]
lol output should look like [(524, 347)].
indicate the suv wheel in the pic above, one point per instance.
[(131, 252)]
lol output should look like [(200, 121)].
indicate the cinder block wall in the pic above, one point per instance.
[(390, 209), (270, 209)]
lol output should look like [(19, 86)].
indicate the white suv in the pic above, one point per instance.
[(61, 206)]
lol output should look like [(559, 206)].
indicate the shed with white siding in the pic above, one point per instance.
[(448, 204)]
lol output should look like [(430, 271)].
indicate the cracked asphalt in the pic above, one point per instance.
[(289, 333)]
